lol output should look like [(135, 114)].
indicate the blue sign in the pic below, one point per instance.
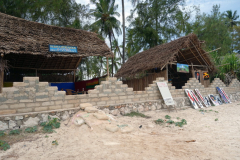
[(61, 48)]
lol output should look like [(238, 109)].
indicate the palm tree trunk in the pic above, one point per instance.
[(123, 18), (111, 49)]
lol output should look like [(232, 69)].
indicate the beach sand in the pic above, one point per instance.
[(214, 134)]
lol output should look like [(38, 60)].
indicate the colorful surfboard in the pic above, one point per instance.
[(222, 95), (207, 101), (225, 95), (213, 100), (219, 100), (204, 101), (196, 99), (190, 97)]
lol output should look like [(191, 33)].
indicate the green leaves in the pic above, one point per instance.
[(50, 125), (4, 145), (15, 132), (31, 129)]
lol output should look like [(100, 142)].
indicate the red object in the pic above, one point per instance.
[(80, 85)]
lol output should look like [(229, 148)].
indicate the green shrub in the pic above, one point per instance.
[(14, 132), (159, 121), (170, 122), (4, 145), (2, 133), (31, 129), (167, 117), (52, 123)]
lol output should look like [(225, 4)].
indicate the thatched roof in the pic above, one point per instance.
[(185, 50), (21, 36), (25, 44)]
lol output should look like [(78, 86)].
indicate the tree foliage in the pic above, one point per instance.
[(156, 22), (212, 29)]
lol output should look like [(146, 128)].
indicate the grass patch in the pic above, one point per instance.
[(136, 114), (159, 121)]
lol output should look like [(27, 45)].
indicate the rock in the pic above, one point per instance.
[(140, 109), (65, 115), (111, 128), (11, 124), (127, 110), (134, 109), (78, 121), (122, 110), (85, 105), (106, 110), (18, 118), (52, 117), (101, 116), (146, 108), (7, 118), (3, 126), (90, 110), (44, 117), (127, 129), (153, 107), (31, 122), (115, 112)]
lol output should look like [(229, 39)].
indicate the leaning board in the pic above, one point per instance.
[(164, 90), (192, 100), (204, 101)]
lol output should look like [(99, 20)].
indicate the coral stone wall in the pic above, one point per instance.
[(34, 96)]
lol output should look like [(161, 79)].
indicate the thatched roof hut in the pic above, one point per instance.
[(185, 50), (25, 44)]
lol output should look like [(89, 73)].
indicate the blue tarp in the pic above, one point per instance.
[(69, 85)]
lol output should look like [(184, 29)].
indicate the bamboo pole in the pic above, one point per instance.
[(107, 69)]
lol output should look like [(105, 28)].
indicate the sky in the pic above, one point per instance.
[(205, 6)]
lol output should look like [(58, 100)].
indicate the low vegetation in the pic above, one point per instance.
[(16, 136), (136, 114), (169, 121), (50, 125)]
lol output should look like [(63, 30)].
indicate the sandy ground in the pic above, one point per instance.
[(213, 139)]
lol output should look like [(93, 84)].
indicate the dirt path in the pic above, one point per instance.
[(218, 139)]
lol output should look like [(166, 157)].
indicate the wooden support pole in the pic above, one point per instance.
[(107, 69), (167, 72), (36, 72), (74, 75)]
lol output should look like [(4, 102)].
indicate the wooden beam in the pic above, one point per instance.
[(213, 50), (79, 60), (200, 54), (183, 57), (45, 69)]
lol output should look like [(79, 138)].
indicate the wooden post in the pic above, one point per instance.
[(167, 72), (74, 75), (1, 80), (36, 72), (107, 69)]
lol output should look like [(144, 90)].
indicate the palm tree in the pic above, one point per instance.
[(3, 67), (106, 21), (232, 17), (134, 2)]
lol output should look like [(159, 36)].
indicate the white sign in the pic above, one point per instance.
[(164, 90)]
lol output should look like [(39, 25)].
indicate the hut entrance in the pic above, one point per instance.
[(177, 79)]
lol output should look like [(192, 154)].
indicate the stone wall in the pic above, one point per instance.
[(34, 96), (30, 102)]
